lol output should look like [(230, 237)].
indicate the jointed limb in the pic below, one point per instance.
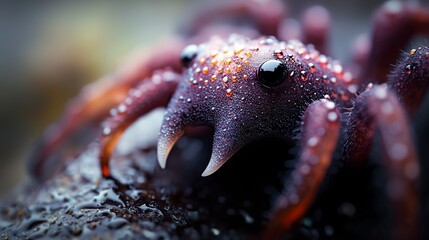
[(394, 25), (380, 109), (95, 100), (320, 132), (150, 94)]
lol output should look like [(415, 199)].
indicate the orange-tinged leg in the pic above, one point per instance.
[(320, 130), (150, 94), (395, 23), (379, 108), (95, 100)]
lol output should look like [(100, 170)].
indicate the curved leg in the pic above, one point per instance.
[(150, 94), (265, 15), (320, 132), (313, 28), (379, 108), (394, 25), (95, 100), (316, 23)]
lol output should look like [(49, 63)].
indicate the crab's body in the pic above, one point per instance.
[(223, 88), (247, 88)]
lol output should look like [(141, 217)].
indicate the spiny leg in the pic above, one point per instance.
[(150, 94), (394, 25), (95, 100), (320, 132), (379, 108), (410, 78)]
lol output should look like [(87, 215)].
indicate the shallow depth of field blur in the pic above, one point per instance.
[(50, 49)]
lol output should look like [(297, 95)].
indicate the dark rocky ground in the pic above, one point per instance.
[(146, 202)]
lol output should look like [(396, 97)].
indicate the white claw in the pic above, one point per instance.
[(213, 166), (165, 144)]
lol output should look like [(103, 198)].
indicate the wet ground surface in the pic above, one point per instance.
[(146, 202)]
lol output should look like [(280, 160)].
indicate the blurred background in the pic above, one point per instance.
[(50, 49)]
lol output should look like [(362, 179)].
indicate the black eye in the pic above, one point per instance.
[(188, 54), (272, 73)]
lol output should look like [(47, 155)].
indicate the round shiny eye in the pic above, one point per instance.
[(188, 54), (272, 73)]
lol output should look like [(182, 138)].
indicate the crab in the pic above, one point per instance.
[(269, 81)]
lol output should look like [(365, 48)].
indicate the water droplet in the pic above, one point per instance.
[(225, 79), (323, 59), (352, 88), (312, 67), (113, 112), (313, 141), (75, 229), (148, 209), (106, 131), (347, 77), (215, 231), (332, 116), (128, 101), (380, 92), (213, 62), (408, 69), (122, 108), (337, 68), (268, 41), (238, 49), (188, 100), (304, 76), (205, 70), (247, 218), (278, 53), (330, 105), (325, 79), (117, 223), (301, 51)]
